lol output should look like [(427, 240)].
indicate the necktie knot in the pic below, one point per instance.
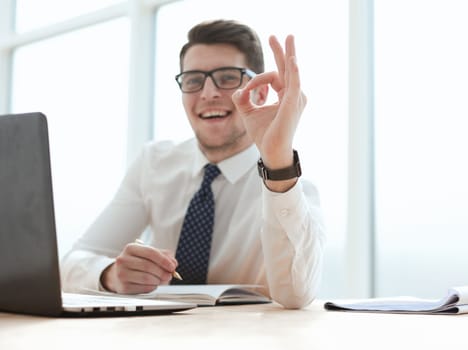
[(211, 171)]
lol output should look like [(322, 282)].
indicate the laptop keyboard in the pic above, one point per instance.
[(96, 302)]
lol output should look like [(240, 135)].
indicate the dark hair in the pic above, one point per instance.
[(228, 32)]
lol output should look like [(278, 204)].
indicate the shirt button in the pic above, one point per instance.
[(284, 212)]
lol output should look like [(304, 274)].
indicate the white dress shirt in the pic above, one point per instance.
[(259, 236)]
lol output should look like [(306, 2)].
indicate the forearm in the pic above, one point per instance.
[(119, 224), (82, 269), (292, 240)]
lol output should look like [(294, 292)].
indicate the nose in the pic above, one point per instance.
[(209, 89)]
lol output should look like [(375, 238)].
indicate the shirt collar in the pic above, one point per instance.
[(233, 168)]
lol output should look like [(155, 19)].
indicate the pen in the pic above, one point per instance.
[(175, 274)]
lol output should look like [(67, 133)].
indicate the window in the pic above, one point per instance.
[(421, 113), (33, 14), (78, 71), (80, 81)]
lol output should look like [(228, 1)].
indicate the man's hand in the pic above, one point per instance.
[(272, 127), (139, 269)]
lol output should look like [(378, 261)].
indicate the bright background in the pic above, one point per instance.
[(103, 73)]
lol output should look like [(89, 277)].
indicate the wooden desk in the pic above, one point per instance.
[(266, 326)]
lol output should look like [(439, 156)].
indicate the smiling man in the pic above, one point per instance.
[(227, 206)]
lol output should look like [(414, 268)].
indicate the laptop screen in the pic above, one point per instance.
[(29, 272)]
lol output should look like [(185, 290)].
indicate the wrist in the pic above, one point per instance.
[(280, 186), (290, 172), (105, 278)]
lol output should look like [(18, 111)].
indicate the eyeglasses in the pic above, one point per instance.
[(224, 78)]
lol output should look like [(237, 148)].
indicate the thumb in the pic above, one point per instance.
[(241, 99)]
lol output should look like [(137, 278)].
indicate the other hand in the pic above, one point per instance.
[(139, 269)]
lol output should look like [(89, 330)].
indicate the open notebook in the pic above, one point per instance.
[(29, 264), (203, 294)]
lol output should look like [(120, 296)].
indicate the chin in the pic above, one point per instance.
[(230, 145)]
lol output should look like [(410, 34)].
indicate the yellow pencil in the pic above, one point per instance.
[(175, 274)]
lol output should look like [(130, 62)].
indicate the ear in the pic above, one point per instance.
[(259, 95)]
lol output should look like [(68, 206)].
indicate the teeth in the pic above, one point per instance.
[(214, 114)]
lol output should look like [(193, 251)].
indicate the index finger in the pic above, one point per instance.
[(160, 258)]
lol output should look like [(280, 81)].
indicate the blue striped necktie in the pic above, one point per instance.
[(193, 249)]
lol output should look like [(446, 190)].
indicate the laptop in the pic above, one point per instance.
[(29, 262)]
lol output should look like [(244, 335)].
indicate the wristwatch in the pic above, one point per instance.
[(280, 174)]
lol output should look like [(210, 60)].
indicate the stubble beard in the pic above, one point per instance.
[(230, 146)]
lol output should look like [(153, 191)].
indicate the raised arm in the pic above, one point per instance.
[(272, 127)]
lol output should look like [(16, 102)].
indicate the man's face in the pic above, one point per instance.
[(212, 115)]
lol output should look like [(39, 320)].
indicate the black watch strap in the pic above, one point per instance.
[(280, 174)]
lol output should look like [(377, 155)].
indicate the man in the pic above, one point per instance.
[(265, 230)]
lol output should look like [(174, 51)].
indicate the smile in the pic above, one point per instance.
[(214, 114)]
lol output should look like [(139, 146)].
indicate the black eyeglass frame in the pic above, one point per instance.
[(243, 71)]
